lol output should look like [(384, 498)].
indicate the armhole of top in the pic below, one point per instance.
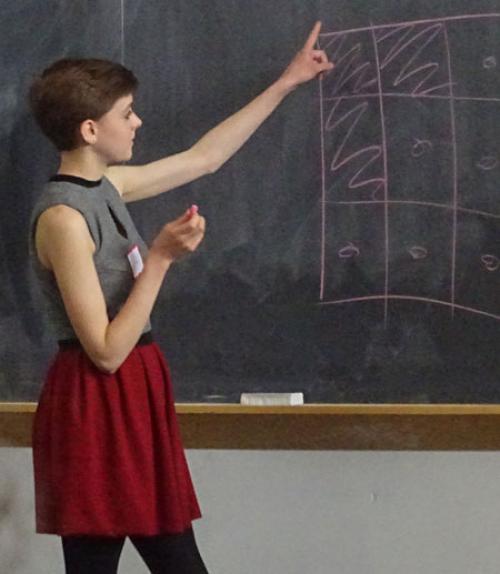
[(113, 187)]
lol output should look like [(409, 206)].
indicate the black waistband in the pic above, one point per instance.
[(145, 339)]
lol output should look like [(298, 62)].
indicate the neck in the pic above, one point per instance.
[(82, 163)]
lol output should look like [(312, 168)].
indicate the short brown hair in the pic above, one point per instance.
[(71, 91)]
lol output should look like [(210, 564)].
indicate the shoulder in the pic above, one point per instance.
[(62, 218), (62, 229)]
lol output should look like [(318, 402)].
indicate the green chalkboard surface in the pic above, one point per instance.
[(353, 245)]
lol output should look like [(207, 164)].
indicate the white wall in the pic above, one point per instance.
[(307, 512)]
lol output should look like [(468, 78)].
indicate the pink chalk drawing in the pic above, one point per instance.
[(421, 147), (487, 162), (491, 262), (418, 252), (369, 153), (373, 66), (489, 62), (350, 250)]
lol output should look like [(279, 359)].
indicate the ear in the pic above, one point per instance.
[(88, 131)]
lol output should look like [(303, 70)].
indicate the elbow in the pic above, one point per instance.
[(205, 159), (209, 162), (213, 166), (106, 365), (108, 369), (106, 358)]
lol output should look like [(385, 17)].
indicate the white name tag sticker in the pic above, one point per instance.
[(135, 260)]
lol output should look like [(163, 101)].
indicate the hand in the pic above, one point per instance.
[(180, 237), (308, 63)]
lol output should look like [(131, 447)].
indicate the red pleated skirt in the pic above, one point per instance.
[(108, 458)]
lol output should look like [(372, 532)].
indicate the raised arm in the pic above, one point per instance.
[(64, 245), (223, 141)]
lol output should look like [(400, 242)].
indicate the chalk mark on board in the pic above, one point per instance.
[(491, 262), (395, 60), (454, 175), (421, 147), (395, 297), (370, 153), (487, 163), (351, 67), (414, 23), (489, 63), (350, 250), (419, 96), (418, 42), (386, 173), (413, 202), (418, 252), (354, 71), (122, 32)]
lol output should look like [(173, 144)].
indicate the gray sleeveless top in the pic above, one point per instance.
[(113, 232)]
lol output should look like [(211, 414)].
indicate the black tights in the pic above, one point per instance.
[(169, 554)]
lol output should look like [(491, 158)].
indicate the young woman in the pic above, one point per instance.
[(108, 459)]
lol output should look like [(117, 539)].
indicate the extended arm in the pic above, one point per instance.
[(223, 141)]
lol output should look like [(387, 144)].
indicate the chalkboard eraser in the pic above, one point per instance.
[(272, 399)]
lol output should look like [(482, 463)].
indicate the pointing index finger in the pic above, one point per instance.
[(313, 36)]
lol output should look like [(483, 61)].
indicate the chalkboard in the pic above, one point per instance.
[(353, 245)]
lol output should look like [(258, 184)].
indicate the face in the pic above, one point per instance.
[(114, 132)]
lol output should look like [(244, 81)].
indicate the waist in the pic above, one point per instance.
[(144, 339)]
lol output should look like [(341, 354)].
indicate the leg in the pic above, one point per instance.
[(91, 554), (171, 553)]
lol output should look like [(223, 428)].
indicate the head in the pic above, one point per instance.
[(87, 102)]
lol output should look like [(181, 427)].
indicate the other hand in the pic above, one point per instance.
[(180, 237)]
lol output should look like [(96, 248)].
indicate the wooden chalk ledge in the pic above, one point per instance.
[(311, 427)]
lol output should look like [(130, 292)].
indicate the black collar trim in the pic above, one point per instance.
[(77, 180)]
